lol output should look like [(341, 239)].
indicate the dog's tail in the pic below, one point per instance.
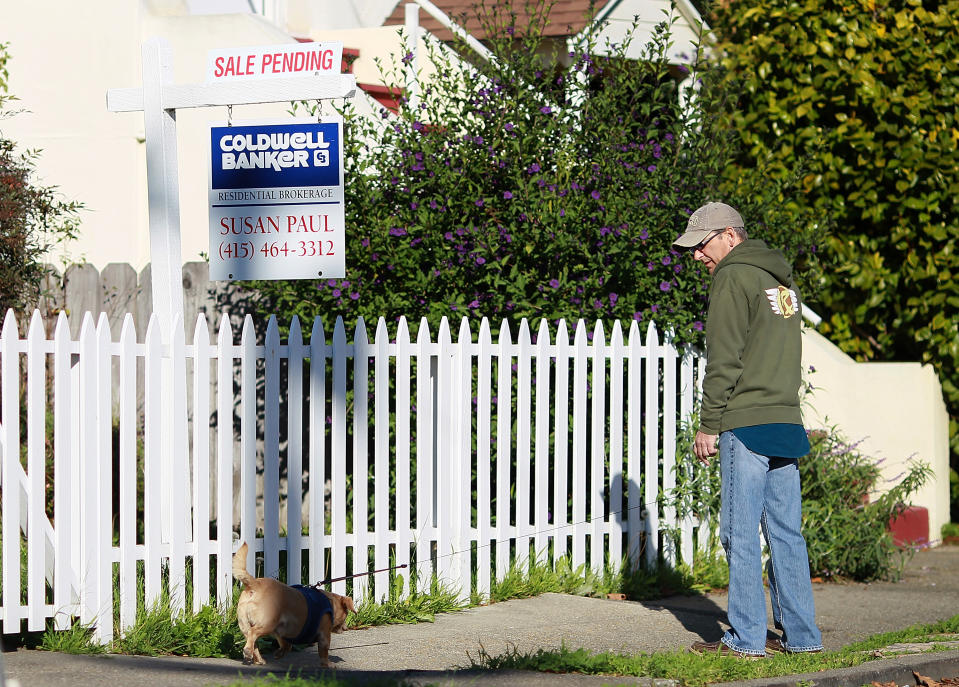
[(239, 566)]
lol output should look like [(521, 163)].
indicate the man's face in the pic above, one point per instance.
[(714, 248)]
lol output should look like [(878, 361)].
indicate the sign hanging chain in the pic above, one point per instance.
[(229, 115)]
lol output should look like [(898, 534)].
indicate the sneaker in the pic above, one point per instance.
[(719, 648)]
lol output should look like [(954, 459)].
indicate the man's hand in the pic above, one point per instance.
[(705, 446)]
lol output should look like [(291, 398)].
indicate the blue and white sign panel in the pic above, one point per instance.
[(276, 200)]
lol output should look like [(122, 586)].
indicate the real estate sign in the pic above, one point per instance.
[(276, 200)]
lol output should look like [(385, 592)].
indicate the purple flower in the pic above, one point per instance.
[(554, 283), (508, 127), (398, 231), (643, 235), (507, 195), (651, 168), (474, 304), (533, 168), (666, 260), (654, 308), (546, 109), (354, 296), (336, 293), (595, 195), (417, 126), (698, 326), (481, 260), (365, 243), (664, 286), (637, 316), (479, 203), (613, 298)]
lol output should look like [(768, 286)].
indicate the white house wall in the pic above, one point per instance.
[(685, 29)]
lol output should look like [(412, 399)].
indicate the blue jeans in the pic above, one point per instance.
[(758, 491)]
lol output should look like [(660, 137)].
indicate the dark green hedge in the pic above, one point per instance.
[(863, 93)]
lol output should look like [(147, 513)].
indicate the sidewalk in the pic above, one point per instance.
[(426, 653)]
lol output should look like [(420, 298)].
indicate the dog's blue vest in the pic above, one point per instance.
[(317, 605)]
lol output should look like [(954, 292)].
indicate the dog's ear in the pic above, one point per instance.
[(348, 602)]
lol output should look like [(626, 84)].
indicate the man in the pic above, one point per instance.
[(751, 402)]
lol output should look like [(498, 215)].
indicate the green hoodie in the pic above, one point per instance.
[(753, 345)]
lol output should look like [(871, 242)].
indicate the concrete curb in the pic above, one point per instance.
[(899, 670)]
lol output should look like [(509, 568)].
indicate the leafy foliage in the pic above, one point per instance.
[(524, 188), (33, 218), (864, 94), (845, 524)]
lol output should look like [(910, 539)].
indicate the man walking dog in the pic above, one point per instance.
[(751, 403)]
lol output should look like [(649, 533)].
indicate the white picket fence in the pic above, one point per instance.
[(499, 450)]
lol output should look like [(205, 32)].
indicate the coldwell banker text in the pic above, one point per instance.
[(274, 150)]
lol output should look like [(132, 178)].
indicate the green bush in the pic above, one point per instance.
[(845, 524), (864, 93), (522, 188)]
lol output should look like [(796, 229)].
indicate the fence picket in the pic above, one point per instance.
[(381, 460), (504, 394), (484, 364), (597, 452), (152, 430), (10, 506), (127, 404), (294, 454), (579, 497), (271, 451), (317, 459), (361, 466), (338, 476), (176, 462), (248, 519), (65, 580), (524, 420), (617, 518), (36, 473), (651, 479), (202, 358), (668, 430), (224, 460), (634, 450), (463, 458), (442, 467), (425, 449), (561, 445), (541, 459), (404, 536)]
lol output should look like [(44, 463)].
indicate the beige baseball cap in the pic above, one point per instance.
[(707, 219)]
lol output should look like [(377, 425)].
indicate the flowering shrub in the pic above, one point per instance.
[(522, 188), (845, 519)]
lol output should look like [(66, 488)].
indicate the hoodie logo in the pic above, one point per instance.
[(783, 301)]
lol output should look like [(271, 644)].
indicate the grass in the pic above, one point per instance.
[(692, 670)]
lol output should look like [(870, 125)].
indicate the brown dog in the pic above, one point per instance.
[(269, 607)]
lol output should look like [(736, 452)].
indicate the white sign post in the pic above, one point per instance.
[(287, 73), (265, 81)]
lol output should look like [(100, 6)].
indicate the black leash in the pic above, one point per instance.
[(348, 577)]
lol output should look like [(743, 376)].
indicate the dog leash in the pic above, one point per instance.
[(349, 577)]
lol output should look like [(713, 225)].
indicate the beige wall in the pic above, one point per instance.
[(895, 411), (65, 56)]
